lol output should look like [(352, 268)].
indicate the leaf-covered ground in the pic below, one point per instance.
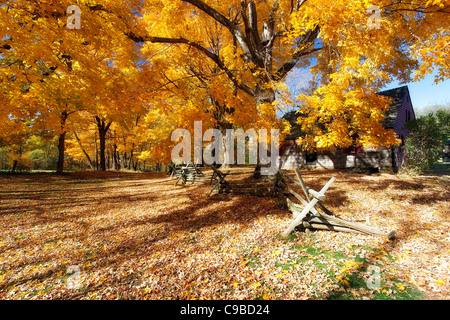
[(121, 235)]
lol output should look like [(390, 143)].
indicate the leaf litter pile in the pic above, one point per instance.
[(117, 235)]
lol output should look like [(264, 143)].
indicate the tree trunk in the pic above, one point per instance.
[(130, 163), (61, 148), (262, 96), (61, 142), (223, 127), (13, 170), (102, 152), (108, 159), (124, 160), (255, 48), (116, 164), (96, 151), (84, 151), (130, 160), (103, 128), (102, 138)]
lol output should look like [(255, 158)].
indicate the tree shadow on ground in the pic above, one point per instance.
[(193, 214), (172, 211)]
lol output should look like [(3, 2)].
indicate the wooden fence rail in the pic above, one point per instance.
[(307, 211), (313, 214)]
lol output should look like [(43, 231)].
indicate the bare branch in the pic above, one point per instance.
[(302, 51)]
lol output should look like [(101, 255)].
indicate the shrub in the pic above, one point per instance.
[(423, 146)]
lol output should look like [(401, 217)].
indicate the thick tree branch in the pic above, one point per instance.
[(274, 10), (97, 7), (269, 36), (253, 20), (214, 57), (288, 66), (5, 46), (212, 13), (306, 42), (396, 7), (235, 31), (249, 35)]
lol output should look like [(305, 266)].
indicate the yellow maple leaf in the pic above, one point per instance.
[(400, 286), (439, 282)]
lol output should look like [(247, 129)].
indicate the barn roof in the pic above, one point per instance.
[(398, 95)]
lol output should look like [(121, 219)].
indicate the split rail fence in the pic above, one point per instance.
[(308, 211)]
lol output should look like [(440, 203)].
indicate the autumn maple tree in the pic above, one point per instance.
[(260, 42), (54, 71)]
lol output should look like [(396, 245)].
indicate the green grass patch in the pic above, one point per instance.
[(253, 261), (351, 272)]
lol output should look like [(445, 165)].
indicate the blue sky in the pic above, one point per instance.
[(426, 93)]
